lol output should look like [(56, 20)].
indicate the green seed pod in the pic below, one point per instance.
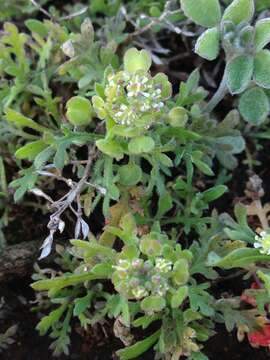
[(79, 111), (130, 174), (150, 246), (178, 117), (181, 272)]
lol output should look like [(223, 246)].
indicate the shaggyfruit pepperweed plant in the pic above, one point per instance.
[(130, 166)]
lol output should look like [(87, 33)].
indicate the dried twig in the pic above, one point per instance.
[(67, 17), (40, 8), (155, 21), (75, 14), (163, 18), (61, 205)]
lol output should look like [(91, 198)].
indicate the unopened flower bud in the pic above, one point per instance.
[(68, 49)]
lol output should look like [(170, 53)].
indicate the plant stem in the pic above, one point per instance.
[(77, 189), (156, 21), (249, 160), (218, 96)]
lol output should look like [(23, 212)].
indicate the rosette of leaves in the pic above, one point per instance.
[(149, 268), (247, 62), (131, 101), (154, 273)]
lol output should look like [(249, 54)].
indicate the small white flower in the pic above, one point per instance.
[(163, 265), (146, 107), (263, 243), (139, 292), (68, 49), (144, 80), (145, 94), (123, 265), (123, 107), (137, 263), (162, 290)]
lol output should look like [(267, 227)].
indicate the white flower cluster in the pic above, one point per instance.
[(142, 87), (142, 278), (131, 96), (163, 265), (125, 116), (263, 242)]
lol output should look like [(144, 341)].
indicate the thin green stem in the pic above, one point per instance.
[(218, 96)]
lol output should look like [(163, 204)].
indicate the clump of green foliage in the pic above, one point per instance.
[(247, 70), (80, 106)]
